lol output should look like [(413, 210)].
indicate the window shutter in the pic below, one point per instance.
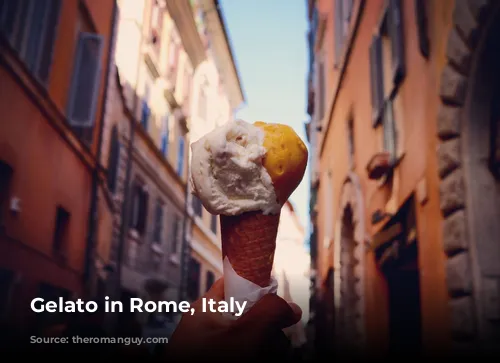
[(158, 222), (396, 32), (164, 136), (134, 211), (321, 90), (173, 236), (423, 39), (180, 161), (37, 24), (86, 80), (348, 9), (49, 40), (25, 19), (390, 131), (376, 79), (9, 10), (316, 118), (143, 211), (339, 26)]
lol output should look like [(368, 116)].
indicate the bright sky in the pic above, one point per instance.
[(270, 47)]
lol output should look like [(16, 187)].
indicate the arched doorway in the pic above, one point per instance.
[(349, 297), (349, 251), (469, 160)]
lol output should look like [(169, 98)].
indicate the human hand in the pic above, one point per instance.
[(256, 334)]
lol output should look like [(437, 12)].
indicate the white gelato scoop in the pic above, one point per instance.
[(227, 171)]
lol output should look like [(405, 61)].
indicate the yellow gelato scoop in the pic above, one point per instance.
[(286, 158)]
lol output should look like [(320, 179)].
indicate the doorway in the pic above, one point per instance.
[(349, 317), (401, 270)]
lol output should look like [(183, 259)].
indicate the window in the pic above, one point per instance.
[(193, 283), (320, 86), (30, 27), (197, 206), (329, 215), (180, 158), (114, 158), (61, 231), (387, 70), (213, 224), (390, 131), (312, 38), (350, 141), (86, 79), (5, 180), (157, 13), (210, 280), (146, 111), (139, 208), (158, 231), (165, 135), (421, 19), (342, 16), (177, 231), (202, 103)]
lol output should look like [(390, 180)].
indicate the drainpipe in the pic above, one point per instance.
[(92, 227)]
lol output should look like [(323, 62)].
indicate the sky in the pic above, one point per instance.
[(269, 44)]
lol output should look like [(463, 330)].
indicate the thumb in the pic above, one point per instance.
[(271, 310)]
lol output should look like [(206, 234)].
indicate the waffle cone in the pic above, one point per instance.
[(249, 242)]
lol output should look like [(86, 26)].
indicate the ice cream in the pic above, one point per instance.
[(227, 171), (240, 167), (245, 173)]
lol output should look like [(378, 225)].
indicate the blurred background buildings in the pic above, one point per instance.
[(110, 95), (403, 133), (101, 100)]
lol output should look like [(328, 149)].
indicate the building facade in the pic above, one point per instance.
[(158, 49), (55, 56), (404, 192), (291, 268), (165, 245)]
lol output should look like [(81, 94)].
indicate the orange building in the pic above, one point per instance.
[(54, 62), (404, 167)]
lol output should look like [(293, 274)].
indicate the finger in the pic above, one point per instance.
[(271, 310), (216, 292)]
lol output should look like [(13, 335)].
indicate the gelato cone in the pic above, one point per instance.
[(246, 173), (249, 241)]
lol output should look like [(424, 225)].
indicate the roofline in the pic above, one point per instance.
[(230, 48)]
